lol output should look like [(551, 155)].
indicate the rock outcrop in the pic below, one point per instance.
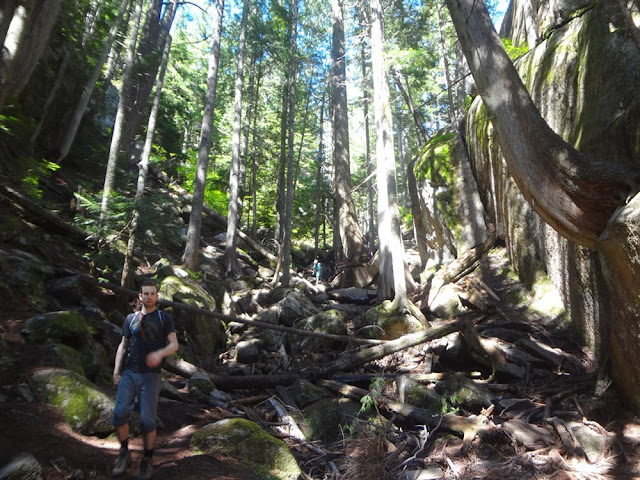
[(582, 71)]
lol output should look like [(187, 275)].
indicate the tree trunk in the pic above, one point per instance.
[(319, 181), (282, 165), (191, 256), (230, 252), (392, 265), (128, 269), (351, 239), (32, 41), (366, 99), (581, 197), (286, 244), (118, 127), (452, 110), (417, 118), (72, 129), (7, 11), (60, 78), (573, 192), (157, 25)]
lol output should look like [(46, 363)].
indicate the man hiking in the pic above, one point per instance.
[(148, 336)]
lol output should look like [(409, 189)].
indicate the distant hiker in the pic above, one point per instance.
[(148, 336), (317, 270)]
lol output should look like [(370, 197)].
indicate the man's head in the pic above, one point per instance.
[(148, 294)]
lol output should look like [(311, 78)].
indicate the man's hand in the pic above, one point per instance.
[(116, 378), (154, 359)]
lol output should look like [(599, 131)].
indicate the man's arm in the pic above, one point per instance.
[(118, 364), (154, 359)]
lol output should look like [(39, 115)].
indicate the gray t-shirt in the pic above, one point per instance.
[(156, 326)]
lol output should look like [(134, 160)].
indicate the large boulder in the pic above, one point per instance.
[(583, 75), (329, 322), (249, 445), (205, 334), (23, 275), (73, 340), (86, 409), (385, 322)]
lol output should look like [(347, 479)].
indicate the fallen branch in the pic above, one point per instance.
[(229, 382), (44, 216), (348, 362), (468, 427)]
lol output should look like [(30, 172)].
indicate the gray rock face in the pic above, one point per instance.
[(582, 72)]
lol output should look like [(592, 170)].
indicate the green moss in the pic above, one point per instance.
[(69, 327), (246, 442), (86, 409), (71, 359)]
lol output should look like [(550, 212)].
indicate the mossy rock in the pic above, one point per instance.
[(328, 322), (69, 328), (86, 409), (24, 275), (70, 358), (249, 445), (387, 323)]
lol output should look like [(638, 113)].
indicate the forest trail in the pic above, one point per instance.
[(39, 429)]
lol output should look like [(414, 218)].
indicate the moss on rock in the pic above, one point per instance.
[(86, 409), (248, 444)]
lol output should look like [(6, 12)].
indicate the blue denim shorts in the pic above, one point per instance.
[(144, 386)]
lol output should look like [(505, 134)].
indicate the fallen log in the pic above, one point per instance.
[(348, 362), (229, 382), (468, 427), (452, 272), (43, 216)]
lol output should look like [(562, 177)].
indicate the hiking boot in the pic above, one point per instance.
[(123, 460), (145, 469)]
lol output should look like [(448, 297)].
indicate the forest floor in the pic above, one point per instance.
[(36, 428)]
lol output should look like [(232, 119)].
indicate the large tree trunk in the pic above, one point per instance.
[(351, 239), (32, 40), (392, 265), (573, 192), (286, 244), (581, 197), (191, 254), (230, 253)]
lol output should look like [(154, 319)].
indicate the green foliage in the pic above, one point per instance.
[(434, 163), (369, 401), (512, 51)]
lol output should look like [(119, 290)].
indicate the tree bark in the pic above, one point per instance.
[(573, 192), (392, 264), (351, 240), (32, 41), (286, 244), (191, 256), (230, 252)]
